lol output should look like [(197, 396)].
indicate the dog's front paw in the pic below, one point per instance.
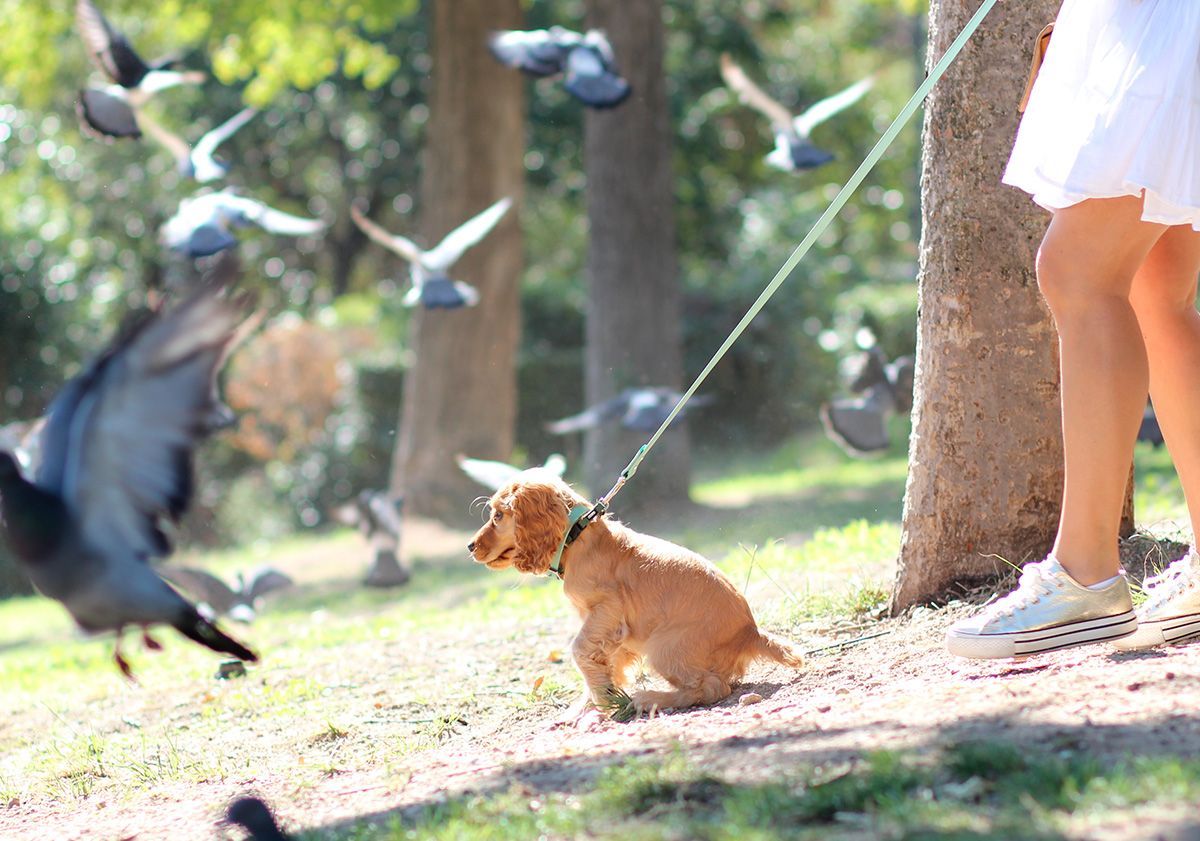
[(581, 715), (650, 703)]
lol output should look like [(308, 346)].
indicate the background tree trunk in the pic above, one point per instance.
[(633, 316), (986, 472), (460, 395)]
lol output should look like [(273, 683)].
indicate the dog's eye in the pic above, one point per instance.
[(497, 516)]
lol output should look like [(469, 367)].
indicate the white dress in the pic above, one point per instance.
[(1115, 110)]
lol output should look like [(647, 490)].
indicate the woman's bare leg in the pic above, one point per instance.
[(1164, 299), (1086, 267)]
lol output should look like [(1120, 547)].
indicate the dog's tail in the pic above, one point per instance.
[(771, 647)]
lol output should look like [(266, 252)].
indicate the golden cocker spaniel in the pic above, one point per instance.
[(639, 597)]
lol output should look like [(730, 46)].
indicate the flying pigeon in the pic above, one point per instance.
[(586, 61), (201, 225), (200, 161), (859, 424), (133, 79), (496, 474), (116, 463), (793, 150), (221, 599), (255, 817), (376, 515), (641, 409), (431, 287)]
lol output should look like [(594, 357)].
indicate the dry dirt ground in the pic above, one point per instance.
[(898, 690)]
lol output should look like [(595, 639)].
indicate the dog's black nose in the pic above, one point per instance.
[(471, 546)]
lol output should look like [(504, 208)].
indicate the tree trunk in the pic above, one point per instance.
[(634, 308), (986, 469), (460, 395)]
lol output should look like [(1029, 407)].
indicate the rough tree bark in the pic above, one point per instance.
[(634, 308), (460, 395), (985, 460)]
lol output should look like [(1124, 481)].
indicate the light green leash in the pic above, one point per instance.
[(578, 523)]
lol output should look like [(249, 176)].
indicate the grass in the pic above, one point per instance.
[(358, 680), (969, 790)]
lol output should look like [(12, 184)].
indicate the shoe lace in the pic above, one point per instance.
[(1177, 577), (1031, 586)]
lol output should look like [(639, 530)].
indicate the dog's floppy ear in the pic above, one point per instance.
[(540, 512)]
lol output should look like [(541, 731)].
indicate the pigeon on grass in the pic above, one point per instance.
[(200, 161), (116, 461), (239, 602), (431, 287), (859, 424), (134, 80), (793, 149), (202, 224), (585, 60), (640, 409), (494, 475), (376, 515)]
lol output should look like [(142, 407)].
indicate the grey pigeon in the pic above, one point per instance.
[(376, 515), (641, 409), (255, 817), (238, 602), (115, 462), (494, 475), (203, 223), (134, 80), (859, 424), (431, 287), (586, 61), (793, 149), (200, 161)]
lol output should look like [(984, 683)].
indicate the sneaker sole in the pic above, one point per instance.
[(1054, 638), (1151, 633)]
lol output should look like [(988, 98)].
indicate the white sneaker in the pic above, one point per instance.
[(1047, 611), (1171, 614)]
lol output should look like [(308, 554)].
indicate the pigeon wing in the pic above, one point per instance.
[(754, 96), (106, 116), (822, 110), (108, 49), (491, 474), (202, 586), (117, 448), (447, 252), (395, 243), (265, 580), (170, 141), (207, 145), (539, 52), (610, 409), (386, 511), (590, 80), (270, 219), (859, 424)]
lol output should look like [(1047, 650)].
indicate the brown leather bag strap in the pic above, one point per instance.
[(1039, 53)]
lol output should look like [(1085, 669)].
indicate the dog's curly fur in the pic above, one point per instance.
[(639, 597)]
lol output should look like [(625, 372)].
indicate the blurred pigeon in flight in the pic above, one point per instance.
[(859, 424), (116, 462), (376, 515), (255, 817), (431, 287), (238, 602), (201, 226), (642, 409), (793, 149), (200, 161), (494, 475), (586, 61), (133, 79)]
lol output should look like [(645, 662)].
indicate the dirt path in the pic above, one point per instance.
[(899, 691)]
